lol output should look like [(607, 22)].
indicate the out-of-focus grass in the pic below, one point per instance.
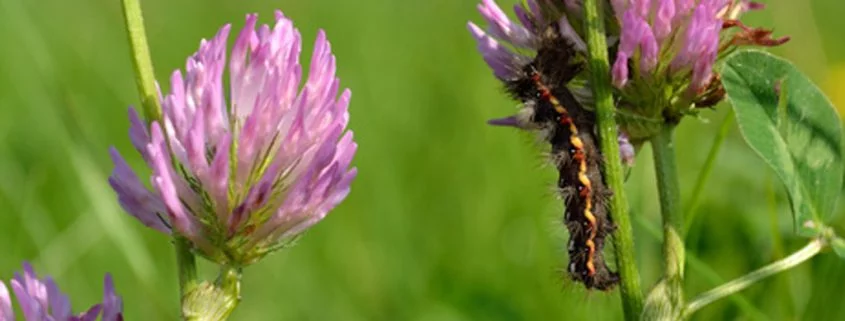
[(449, 219)]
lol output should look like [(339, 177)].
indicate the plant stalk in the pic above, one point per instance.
[(186, 264), (141, 61), (623, 237), (673, 220), (145, 80), (810, 250)]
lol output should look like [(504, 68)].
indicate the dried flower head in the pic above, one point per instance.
[(41, 300), (243, 174)]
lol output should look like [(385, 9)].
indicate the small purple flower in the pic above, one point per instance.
[(627, 152), (241, 172), (41, 300)]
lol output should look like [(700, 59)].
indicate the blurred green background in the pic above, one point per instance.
[(449, 219)]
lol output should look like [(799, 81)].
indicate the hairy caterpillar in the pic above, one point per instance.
[(550, 107)]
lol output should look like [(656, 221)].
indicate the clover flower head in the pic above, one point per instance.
[(668, 42), (41, 300), (240, 171)]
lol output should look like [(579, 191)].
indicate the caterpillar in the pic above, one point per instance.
[(552, 109)]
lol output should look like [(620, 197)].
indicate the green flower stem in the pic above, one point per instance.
[(691, 210), (813, 248), (141, 61), (673, 219), (186, 263), (145, 79), (623, 238)]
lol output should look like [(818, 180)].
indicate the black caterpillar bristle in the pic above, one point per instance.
[(570, 132)]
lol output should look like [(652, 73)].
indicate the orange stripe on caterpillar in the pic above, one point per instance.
[(579, 156), (553, 111)]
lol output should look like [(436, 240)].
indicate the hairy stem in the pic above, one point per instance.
[(739, 284), (145, 79), (623, 238), (670, 210)]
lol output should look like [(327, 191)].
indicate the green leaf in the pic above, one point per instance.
[(787, 120)]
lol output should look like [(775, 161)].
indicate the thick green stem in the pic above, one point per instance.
[(623, 237), (186, 263), (141, 61), (670, 210), (741, 283), (145, 79)]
